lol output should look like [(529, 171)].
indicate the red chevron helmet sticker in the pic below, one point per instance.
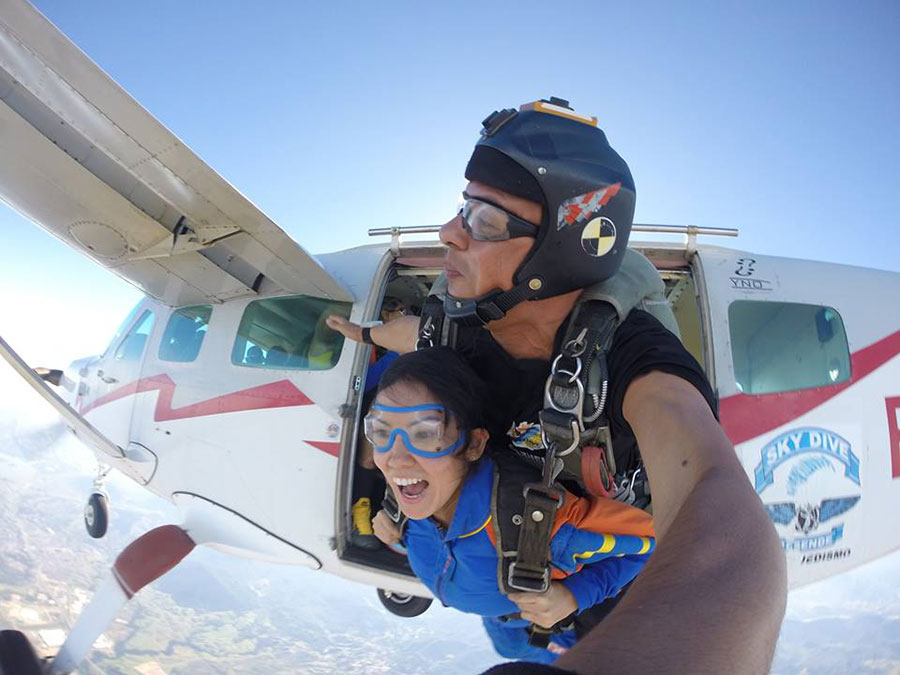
[(584, 207)]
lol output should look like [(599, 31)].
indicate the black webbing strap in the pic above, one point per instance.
[(433, 329), (530, 571), (392, 509)]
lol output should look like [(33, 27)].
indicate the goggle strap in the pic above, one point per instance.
[(407, 408)]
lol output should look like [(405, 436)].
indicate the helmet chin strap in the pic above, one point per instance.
[(491, 306)]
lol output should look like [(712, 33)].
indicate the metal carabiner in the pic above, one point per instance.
[(554, 369), (426, 335)]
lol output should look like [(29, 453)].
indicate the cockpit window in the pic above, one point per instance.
[(785, 346), (122, 326), (132, 346), (289, 334), (184, 334)]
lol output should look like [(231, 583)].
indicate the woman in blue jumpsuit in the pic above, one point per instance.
[(425, 427)]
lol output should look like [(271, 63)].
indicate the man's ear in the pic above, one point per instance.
[(477, 442)]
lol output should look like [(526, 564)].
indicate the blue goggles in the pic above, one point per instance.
[(422, 436)]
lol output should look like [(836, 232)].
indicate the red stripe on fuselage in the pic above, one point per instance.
[(330, 448), (893, 411), (745, 416), (281, 394)]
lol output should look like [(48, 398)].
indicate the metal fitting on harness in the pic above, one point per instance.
[(426, 335), (559, 429), (391, 507), (526, 580)]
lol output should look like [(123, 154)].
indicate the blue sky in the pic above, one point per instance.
[(780, 119)]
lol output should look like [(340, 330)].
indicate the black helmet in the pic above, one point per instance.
[(547, 153)]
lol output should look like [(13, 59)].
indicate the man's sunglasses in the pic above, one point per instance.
[(488, 222)]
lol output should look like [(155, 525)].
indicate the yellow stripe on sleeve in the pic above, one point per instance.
[(645, 546), (609, 543)]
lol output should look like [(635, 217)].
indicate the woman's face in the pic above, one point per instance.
[(423, 486)]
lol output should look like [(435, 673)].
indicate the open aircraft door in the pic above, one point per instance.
[(805, 354), (107, 386)]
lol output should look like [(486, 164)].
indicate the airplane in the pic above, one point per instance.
[(224, 393)]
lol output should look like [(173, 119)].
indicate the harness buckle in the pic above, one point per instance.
[(527, 580), (391, 507), (559, 428)]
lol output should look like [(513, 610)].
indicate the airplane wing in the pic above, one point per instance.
[(82, 159)]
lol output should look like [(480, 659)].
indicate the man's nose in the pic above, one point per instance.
[(453, 234)]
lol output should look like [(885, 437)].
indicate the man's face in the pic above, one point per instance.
[(476, 267)]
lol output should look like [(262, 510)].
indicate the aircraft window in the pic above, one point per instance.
[(131, 348), (121, 329), (289, 333), (184, 334), (784, 346)]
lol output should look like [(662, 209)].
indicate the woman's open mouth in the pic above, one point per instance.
[(410, 489)]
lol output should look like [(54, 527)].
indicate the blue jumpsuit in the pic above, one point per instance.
[(599, 544)]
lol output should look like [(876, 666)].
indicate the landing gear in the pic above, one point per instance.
[(403, 605), (16, 655), (96, 515), (96, 511)]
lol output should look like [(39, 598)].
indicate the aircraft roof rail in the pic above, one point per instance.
[(691, 232)]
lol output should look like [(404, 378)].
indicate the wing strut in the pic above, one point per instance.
[(143, 561), (82, 428)]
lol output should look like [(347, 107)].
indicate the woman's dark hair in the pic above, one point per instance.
[(446, 375)]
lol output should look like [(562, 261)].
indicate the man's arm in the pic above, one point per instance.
[(712, 597), (398, 335)]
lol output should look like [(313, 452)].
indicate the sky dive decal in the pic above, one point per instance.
[(584, 208), (808, 461), (805, 440), (598, 237), (893, 412)]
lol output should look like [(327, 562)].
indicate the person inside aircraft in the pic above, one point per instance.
[(276, 356), (254, 356), (426, 427), (543, 229)]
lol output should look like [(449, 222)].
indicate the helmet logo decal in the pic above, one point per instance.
[(585, 207), (598, 236)]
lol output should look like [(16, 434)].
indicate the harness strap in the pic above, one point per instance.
[(433, 328), (530, 571), (392, 509)]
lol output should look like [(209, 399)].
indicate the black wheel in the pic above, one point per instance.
[(96, 515), (16, 655), (402, 604)]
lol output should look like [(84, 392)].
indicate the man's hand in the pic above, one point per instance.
[(398, 335), (546, 609), (350, 330), (385, 529)]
